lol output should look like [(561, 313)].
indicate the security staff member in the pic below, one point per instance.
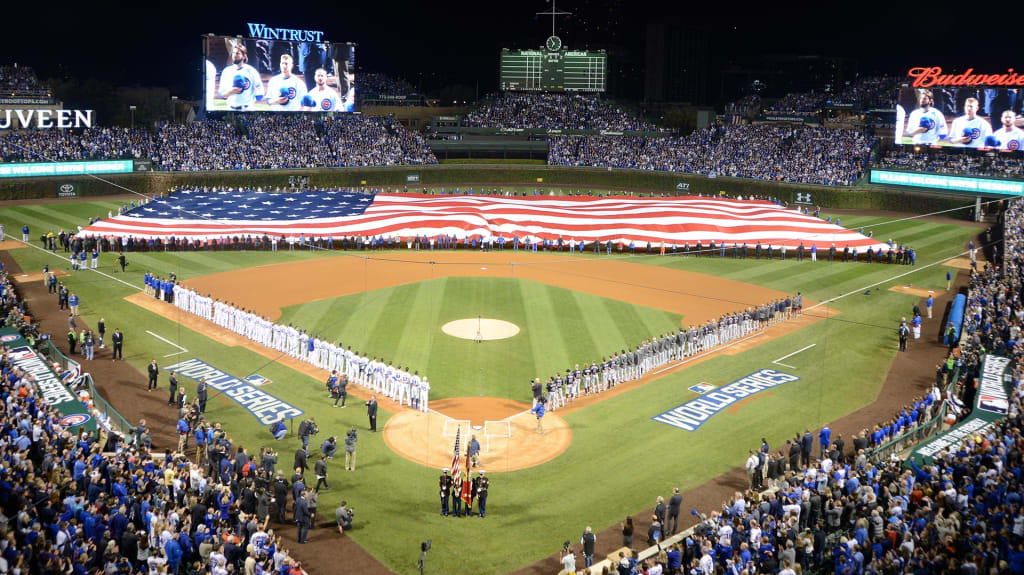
[(445, 486)]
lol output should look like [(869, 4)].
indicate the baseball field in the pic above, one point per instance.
[(608, 459)]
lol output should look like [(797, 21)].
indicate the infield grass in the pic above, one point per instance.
[(619, 461), (558, 328)]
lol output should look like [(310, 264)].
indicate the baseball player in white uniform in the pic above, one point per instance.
[(1009, 137), (404, 387), (926, 125), (970, 130), (414, 390), (240, 83), (322, 98), (424, 393), (285, 91)]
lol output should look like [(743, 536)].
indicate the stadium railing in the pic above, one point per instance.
[(110, 416), (926, 430)]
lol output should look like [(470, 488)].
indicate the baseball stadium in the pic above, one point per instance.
[(541, 331)]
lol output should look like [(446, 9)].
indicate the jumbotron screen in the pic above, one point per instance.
[(254, 75), (954, 117), (553, 70)]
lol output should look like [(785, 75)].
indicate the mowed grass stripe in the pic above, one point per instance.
[(574, 309), (419, 327), (655, 322), (542, 319), (69, 222), (391, 311), (628, 324), (517, 353)]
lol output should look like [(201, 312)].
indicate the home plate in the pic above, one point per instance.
[(483, 268)]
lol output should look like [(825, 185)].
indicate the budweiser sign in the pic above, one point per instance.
[(926, 77)]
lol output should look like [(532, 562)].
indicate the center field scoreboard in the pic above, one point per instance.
[(554, 69)]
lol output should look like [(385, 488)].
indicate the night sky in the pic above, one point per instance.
[(436, 44)]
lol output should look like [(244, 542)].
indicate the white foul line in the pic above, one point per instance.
[(183, 350), (778, 361)]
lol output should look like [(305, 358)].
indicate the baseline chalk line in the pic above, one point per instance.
[(779, 361)]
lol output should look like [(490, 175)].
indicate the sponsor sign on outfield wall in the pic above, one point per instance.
[(694, 413), (954, 183), (264, 407), (65, 169)]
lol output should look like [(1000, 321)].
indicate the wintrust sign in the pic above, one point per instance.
[(265, 32), (45, 119), (928, 76)]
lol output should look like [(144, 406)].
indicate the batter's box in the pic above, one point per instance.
[(498, 430), (451, 426)]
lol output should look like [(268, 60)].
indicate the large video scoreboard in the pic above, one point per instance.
[(554, 69)]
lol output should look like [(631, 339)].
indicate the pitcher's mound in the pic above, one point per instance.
[(484, 329), (508, 437)]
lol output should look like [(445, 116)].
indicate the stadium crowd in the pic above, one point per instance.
[(760, 151), (554, 111), (66, 146), (746, 105), (797, 104), (1001, 166), (870, 92), (20, 80), (253, 142), (383, 85), (821, 504), (80, 502)]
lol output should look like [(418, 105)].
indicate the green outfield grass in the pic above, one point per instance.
[(619, 460), (558, 328)]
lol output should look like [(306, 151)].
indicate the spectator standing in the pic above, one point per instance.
[(589, 542)]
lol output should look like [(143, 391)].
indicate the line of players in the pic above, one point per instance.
[(374, 373), (627, 365), (927, 125)]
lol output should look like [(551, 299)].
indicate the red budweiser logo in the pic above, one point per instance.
[(926, 77)]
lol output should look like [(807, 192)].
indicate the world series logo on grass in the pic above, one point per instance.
[(701, 388), (263, 406), (694, 413), (257, 379)]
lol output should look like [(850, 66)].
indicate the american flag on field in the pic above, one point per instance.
[(336, 213), (456, 479)]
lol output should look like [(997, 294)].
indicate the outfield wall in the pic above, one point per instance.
[(865, 198)]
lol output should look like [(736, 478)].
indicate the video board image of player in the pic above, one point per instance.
[(958, 117), (258, 75)]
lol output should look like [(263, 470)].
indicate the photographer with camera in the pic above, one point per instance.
[(329, 447), (350, 449), (306, 429), (568, 559), (343, 515)]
